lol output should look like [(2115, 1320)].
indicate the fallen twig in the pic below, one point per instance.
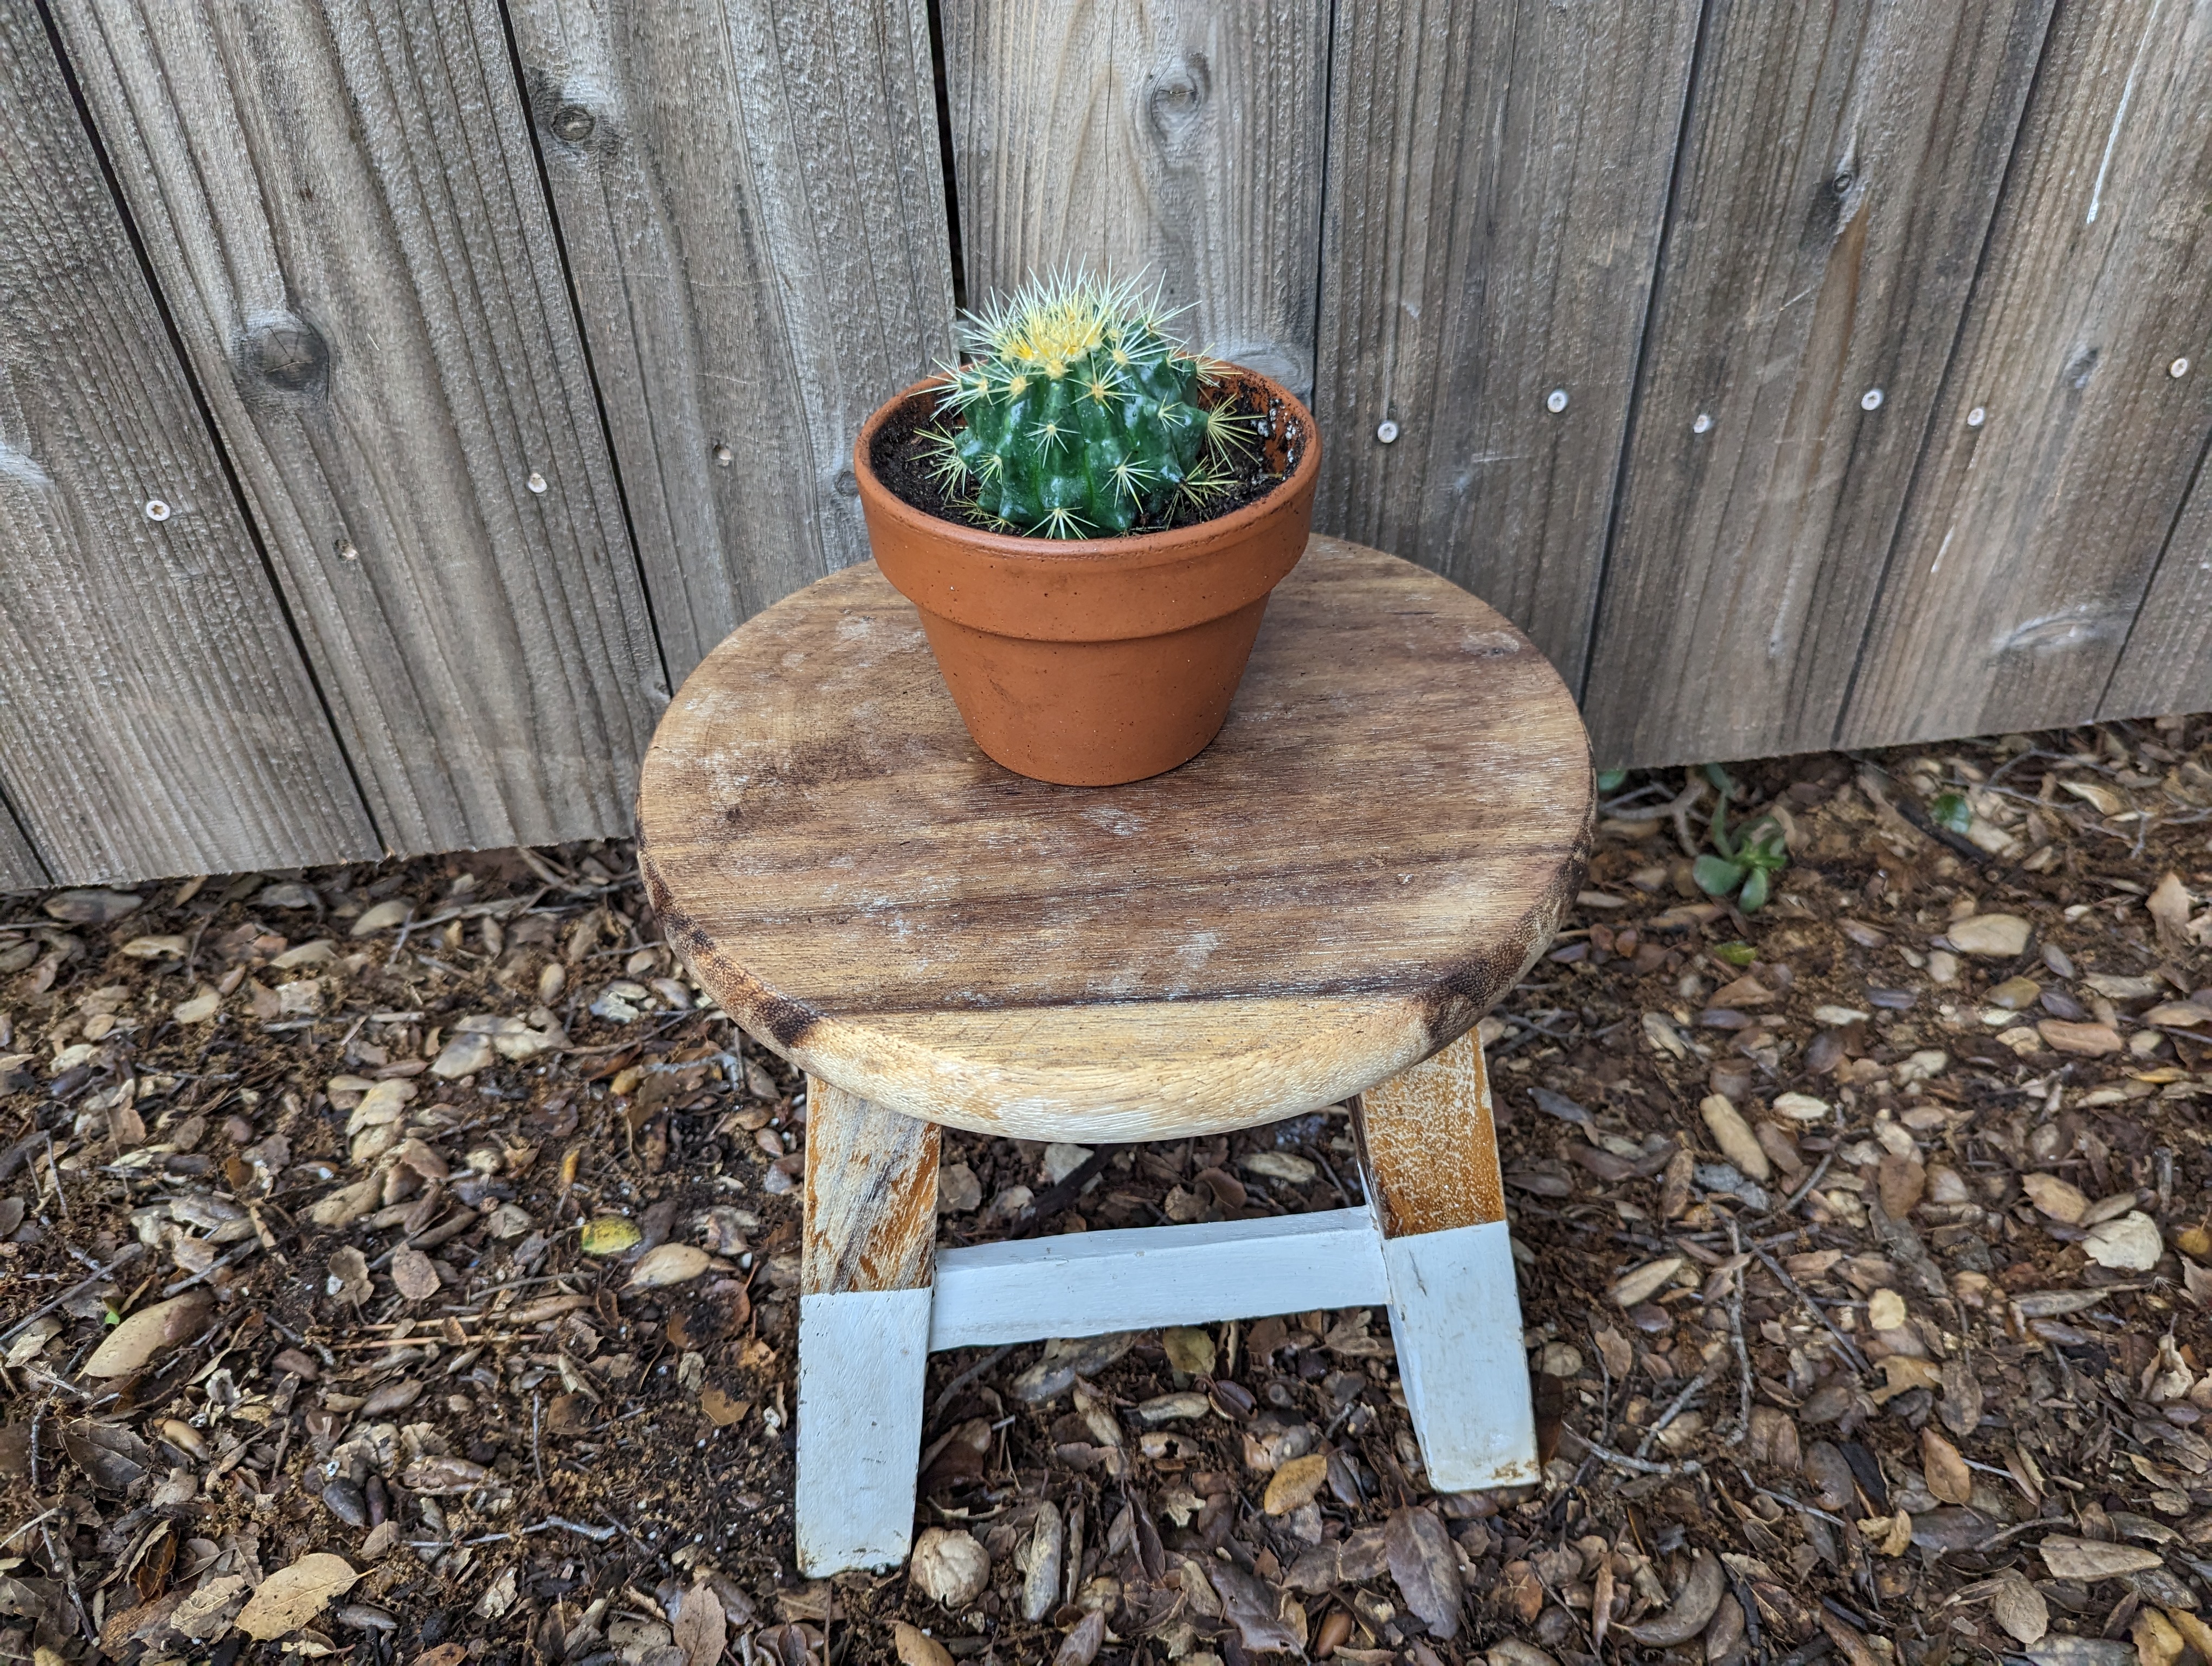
[(1641, 1466), (1676, 1408), (1737, 1435), (238, 1254)]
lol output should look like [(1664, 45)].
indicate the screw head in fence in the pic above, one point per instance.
[(157, 510), (2178, 369), (537, 481), (1976, 416), (725, 456), (1702, 423), (1871, 399), (342, 548), (1386, 431), (1556, 402)]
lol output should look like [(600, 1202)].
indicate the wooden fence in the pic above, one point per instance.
[(397, 395)]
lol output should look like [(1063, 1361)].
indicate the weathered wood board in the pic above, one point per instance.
[(2167, 665), (2032, 534), (1429, 1146), (342, 206), (1187, 138), (870, 1199), (20, 866), (155, 714), (1835, 185), (1378, 844), (754, 215), (1498, 180)]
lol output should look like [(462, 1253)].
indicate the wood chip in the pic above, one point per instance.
[(2069, 1558), (1990, 936), (2087, 1040)]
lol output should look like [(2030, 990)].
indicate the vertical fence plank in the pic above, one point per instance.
[(1498, 180), (1839, 172), (342, 207), (20, 866), (1185, 137), (155, 714), (2167, 665), (2032, 536), (752, 205)]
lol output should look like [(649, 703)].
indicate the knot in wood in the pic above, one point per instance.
[(1179, 91), (288, 354), (573, 124)]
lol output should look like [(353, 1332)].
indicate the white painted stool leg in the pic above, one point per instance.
[(1431, 1155), (866, 1269)]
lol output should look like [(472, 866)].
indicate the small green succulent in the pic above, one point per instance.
[(1748, 859), (1073, 413), (1951, 810)]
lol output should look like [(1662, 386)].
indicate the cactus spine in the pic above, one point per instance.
[(1074, 415)]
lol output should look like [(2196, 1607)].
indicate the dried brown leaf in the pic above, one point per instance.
[(1424, 1568), (1947, 1474), (146, 1332), (2018, 1606), (288, 1598), (2056, 1198), (669, 1264), (1265, 1620), (2168, 907), (1080, 1646), (915, 1648), (1295, 1483), (702, 1628), (412, 1271)]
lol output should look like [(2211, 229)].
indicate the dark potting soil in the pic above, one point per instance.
[(901, 461)]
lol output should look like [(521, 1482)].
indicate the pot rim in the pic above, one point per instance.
[(1138, 549)]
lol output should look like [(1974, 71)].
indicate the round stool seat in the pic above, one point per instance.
[(1376, 847)]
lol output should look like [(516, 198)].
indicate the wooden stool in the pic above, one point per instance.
[(1378, 845)]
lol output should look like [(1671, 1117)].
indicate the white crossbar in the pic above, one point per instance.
[(1083, 1284)]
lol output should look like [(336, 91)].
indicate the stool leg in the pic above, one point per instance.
[(1430, 1156), (866, 1266)]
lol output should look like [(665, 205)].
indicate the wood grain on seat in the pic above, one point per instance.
[(1380, 841)]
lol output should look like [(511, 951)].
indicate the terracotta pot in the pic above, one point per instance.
[(1092, 661)]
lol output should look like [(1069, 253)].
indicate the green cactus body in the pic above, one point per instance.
[(1074, 415)]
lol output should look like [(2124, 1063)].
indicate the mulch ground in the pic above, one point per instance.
[(397, 1264)]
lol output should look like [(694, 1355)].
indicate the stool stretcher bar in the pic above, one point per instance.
[(1085, 1284)]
